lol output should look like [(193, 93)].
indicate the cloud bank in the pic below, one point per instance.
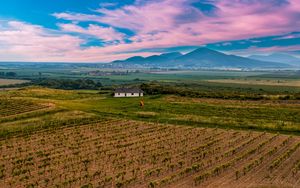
[(139, 28)]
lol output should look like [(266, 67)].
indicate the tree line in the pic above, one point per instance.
[(8, 74), (206, 91), (68, 84)]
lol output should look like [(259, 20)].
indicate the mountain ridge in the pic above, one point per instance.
[(199, 58), (278, 57)]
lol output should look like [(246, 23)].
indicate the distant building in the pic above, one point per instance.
[(128, 92)]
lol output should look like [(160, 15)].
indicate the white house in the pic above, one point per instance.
[(128, 92)]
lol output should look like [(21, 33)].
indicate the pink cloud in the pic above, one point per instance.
[(20, 41), (104, 33), (76, 16), (234, 20), (28, 40), (155, 24)]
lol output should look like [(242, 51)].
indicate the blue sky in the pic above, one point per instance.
[(105, 30), (39, 12)]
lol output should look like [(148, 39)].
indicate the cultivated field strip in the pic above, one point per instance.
[(11, 107), (124, 153)]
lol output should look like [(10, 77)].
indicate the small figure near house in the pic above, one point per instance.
[(128, 92), (142, 104)]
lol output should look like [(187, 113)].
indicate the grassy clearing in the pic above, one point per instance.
[(281, 118), (49, 94), (267, 115)]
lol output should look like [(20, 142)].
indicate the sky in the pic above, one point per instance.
[(106, 30)]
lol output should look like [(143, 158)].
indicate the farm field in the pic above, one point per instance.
[(264, 115), (12, 107), (59, 138), (5, 82), (75, 71), (295, 83), (118, 153)]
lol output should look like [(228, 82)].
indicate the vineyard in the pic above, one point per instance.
[(126, 153), (11, 107), (57, 138)]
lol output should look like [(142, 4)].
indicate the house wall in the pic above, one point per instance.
[(132, 94), (128, 94), (119, 94)]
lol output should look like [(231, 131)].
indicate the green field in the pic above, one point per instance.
[(260, 100), (74, 71), (267, 115)]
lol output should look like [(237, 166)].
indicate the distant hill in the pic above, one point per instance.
[(278, 57), (154, 60), (163, 57), (199, 58)]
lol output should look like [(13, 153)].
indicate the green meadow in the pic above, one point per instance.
[(256, 100), (67, 106)]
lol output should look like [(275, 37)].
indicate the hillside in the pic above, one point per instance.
[(278, 57)]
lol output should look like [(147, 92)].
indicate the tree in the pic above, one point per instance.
[(11, 74)]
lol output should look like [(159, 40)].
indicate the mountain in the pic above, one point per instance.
[(199, 58), (278, 57), (154, 60), (134, 60), (163, 58), (204, 57)]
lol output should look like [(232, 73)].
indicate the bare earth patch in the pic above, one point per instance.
[(147, 113)]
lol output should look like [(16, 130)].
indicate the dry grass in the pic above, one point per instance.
[(293, 83), (4, 82)]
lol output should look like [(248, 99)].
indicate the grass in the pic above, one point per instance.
[(49, 94), (283, 116), (198, 114)]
